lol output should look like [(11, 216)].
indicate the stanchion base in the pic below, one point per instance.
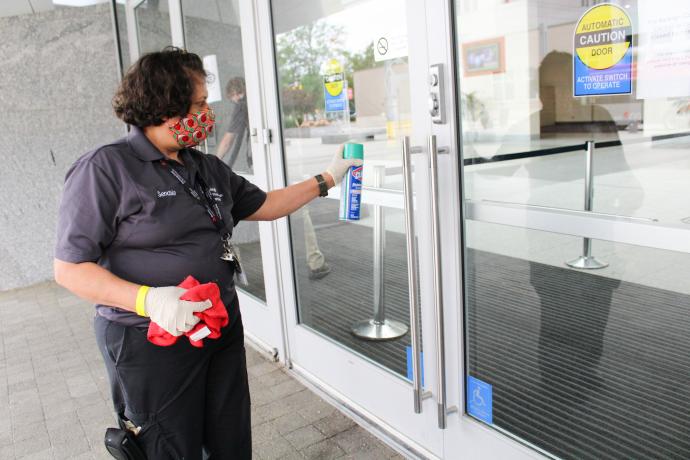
[(388, 330), (587, 263)]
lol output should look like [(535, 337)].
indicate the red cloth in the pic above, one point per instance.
[(214, 317)]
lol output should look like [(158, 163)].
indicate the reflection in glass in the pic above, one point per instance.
[(153, 26), (583, 364), (245, 238), (212, 30), (334, 89)]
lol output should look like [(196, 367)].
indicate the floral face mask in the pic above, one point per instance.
[(194, 128)]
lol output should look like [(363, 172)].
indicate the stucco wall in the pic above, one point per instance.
[(56, 81)]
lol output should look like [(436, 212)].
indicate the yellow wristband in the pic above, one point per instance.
[(141, 298)]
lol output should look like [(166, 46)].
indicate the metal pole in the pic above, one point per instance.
[(415, 342), (379, 252), (586, 260), (379, 328), (441, 402)]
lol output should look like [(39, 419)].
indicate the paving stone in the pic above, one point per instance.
[(26, 415), (262, 395), (278, 448), (316, 410), (22, 432), (67, 434), (301, 399), (289, 423), (31, 446), (334, 424), (46, 454), (324, 450), (264, 433), (20, 377), (372, 453), (287, 388), (7, 452), (274, 378), (260, 369), (270, 411), (355, 439), (304, 437), (69, 450)]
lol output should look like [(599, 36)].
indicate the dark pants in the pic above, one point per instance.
[(184, 398)]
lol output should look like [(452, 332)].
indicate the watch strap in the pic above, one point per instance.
[(323, 186)]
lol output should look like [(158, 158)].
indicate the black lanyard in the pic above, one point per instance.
[(205, 199)]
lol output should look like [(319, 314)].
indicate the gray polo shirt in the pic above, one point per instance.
[(122, 209)]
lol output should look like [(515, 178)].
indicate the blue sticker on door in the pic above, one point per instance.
[(480, 399), (409, 364)]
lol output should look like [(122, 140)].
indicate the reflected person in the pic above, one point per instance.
[(236, 138), (575, 305)]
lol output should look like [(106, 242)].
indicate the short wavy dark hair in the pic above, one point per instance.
[(159, 85)]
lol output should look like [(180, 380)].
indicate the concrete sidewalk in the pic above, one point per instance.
[(54, 397)]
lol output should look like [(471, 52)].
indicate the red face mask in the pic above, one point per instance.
[(194, 128)]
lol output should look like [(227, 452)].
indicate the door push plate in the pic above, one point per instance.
[(437, 108)]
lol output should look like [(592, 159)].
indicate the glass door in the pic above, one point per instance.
[(355, 71), (222, 33), (574, 140)]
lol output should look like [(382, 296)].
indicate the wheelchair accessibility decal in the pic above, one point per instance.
[(480, 400)]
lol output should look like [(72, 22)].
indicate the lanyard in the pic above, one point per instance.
[(205, 199)]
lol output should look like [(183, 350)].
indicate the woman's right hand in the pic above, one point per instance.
[(165, 308)]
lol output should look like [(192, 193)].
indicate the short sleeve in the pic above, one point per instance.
[(87, 219), (247, 198)]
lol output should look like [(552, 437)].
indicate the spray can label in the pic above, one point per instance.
[(350, 200)]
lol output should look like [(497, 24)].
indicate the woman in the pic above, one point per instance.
[(137, 217)]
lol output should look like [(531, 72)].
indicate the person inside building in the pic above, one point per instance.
[(235, 143), (236, 138), (138, 216)]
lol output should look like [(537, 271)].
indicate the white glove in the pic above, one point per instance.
[(164, 307), (339, 166)]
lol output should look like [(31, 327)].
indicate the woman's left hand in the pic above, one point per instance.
[(339, 166)]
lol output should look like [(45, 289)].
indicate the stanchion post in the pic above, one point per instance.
[(586, 260), (379, 328), (379, 252)]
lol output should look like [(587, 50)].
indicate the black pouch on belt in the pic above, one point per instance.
[(121, 442)]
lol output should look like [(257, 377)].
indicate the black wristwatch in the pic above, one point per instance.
[(323, 186)]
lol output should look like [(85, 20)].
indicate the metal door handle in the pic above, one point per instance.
[(412, 273), (438, 286)]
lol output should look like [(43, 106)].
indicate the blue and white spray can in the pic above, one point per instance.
[(351, 188)]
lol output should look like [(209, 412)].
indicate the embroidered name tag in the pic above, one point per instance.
[(166, 193)]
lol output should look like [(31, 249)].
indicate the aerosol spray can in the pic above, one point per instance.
[(351, 188)]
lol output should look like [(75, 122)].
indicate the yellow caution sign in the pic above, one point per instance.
[(333, 77), (602, 58), (603, 36)]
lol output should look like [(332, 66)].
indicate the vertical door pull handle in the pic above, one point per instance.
[(438, 286), (412, 265)]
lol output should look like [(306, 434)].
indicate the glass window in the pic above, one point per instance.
[(153, 25)]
